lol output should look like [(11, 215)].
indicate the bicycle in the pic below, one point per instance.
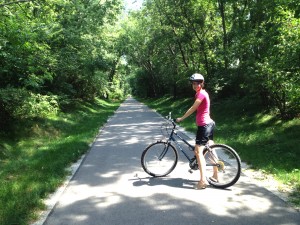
[(160, 158)]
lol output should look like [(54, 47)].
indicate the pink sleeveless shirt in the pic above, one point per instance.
[(203, 110)]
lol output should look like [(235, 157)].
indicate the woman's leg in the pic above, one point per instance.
[(202, 166)]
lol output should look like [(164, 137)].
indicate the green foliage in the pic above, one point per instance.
[(54, 53), (116, 90), (280, 69), (19, 103), (34, 161), (242, 48), (37, 105), (10, 98)]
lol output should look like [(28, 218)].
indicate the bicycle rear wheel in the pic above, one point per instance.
[(159, 159), (223, 165)]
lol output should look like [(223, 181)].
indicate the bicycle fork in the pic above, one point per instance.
[(164, 152)]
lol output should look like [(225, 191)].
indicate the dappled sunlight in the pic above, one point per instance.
[(109, 174), (217, 202), (111, 186), (135, 124), (132, 140), (161, 204), (109, 200), (255, 204), (199, 207)]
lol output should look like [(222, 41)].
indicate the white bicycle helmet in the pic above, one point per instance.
[(197, 77)]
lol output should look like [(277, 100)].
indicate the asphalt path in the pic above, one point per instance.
[(110, 187)]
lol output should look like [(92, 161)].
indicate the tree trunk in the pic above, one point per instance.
[(225, 40)]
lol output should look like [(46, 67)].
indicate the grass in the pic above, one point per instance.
[(33, 161), (265, 142)]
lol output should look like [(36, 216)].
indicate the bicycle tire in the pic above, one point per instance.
[(159, 159), (229, 165)]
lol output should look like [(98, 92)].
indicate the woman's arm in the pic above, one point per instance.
[(190, 111)]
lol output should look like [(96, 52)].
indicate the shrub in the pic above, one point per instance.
[(18, 103)]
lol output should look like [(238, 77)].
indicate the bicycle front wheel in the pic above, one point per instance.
[(223, 165), (159, 159)]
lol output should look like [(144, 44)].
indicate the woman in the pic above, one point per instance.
[(205, 126)]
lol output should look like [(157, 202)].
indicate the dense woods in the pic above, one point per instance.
[(56, 52), (245, 48)]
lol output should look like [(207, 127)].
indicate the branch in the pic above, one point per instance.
[(10, 3)]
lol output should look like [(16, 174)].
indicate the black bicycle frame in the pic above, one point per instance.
[(171, 138)]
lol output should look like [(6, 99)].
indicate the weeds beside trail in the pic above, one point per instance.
[(262, 140), (34, 159)]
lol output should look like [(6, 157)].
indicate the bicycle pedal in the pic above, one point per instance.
[(190, 171)]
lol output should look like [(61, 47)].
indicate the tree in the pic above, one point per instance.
[(245, 46), (54, 50)]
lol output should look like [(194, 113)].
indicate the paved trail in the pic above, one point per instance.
[(110, 187)]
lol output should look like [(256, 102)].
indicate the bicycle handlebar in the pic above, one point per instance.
[(173, 121)]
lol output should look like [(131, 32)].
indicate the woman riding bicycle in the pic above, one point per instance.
[(205, 126)]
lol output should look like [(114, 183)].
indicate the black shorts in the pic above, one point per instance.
[(205, 133)]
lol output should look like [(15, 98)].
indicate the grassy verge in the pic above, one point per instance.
[(262, 140), (33, 163)]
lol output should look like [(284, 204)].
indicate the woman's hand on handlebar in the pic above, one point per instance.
[(178, 120)]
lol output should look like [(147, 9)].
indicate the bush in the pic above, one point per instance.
[(18, 103), (10, 101), (37, 105)]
